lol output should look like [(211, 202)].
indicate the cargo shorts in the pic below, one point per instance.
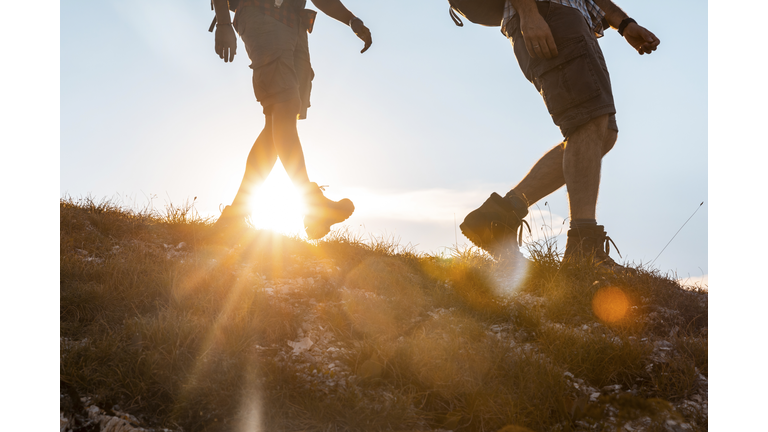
[(279, 57), (575, 84)]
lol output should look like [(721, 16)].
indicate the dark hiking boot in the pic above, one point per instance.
[(592, 245), (497, 227), (322, 212)]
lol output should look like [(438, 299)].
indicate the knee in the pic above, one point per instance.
[(286, 112), (591, 130), (609, 140)]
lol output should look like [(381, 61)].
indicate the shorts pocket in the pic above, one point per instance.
[(274, 77), (568, 79)]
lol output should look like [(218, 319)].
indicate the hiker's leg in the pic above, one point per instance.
[(581, 167), (287, 143), (546, 176), (260, 162)]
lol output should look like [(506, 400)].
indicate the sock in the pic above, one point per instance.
[(583, 223), (518, 202)]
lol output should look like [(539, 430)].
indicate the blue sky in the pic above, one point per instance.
[(418, 131)]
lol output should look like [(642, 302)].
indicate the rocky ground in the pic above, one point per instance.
[(317, 354)]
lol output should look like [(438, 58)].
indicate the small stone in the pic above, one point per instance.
[(664, 345)]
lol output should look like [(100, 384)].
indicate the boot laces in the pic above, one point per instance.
[(520, 232), (607, 246)]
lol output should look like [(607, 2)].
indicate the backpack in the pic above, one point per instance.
[(232, 6), (484, 12)]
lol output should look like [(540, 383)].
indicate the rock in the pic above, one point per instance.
[(663, 345), (302, 345)]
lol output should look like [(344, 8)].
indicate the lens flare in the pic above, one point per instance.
[(277, 205), (610, 304)]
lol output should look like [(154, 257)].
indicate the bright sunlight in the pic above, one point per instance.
[(277, 205)]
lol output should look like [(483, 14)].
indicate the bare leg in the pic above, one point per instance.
[(260, 162), (287, 143), (547, 176), (581, 167)]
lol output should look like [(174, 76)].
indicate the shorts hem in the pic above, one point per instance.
[(567, 128)]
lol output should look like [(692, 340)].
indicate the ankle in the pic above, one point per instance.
[(583, 223), (307, 187), (518, 201)]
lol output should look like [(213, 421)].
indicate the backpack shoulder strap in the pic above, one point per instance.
[(455, 17), (213, 23)]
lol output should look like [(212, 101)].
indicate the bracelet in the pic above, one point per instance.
[(624, 23), (355, 18)]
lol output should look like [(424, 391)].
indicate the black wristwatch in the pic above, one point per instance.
[(624, 24)]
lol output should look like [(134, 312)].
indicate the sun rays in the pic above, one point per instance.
[(277, 206)]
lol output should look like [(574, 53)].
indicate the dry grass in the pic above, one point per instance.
[(261, 332)]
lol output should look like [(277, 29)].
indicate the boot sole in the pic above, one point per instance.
[(493, 247), (318, 227)]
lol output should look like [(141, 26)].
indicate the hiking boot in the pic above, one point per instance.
[(591, 245), (322, 212), (497, 226)]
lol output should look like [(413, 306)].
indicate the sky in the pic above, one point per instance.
[(418, 131), (103, 99)]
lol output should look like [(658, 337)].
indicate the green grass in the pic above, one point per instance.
[(189, 331)]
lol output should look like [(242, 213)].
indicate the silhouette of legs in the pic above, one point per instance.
[(278, 139), (287, 143)]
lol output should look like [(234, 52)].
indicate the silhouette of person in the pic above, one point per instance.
[(274, 33), (555, 43)]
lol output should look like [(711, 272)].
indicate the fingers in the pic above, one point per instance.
[(541, 48), (225, 43), (652, 43), (363, 33), (538, 38), (366, 37), (226, 53), (551, 47), (641, 39)]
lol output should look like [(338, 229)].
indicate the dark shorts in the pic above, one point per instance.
[(279, 58), (575, 84)]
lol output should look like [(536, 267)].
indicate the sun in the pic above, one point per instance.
[(277, 205)]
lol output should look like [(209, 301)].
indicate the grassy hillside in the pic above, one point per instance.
[(165, 326)]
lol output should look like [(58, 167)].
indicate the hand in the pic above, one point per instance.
[(538, 37), (641, 39), (362, 32), (226, 42)]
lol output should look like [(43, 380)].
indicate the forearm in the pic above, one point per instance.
[(613, 14), (221, 7), (525, 8), (335, 10)]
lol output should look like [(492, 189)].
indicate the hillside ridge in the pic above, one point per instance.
[(167, 327)]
